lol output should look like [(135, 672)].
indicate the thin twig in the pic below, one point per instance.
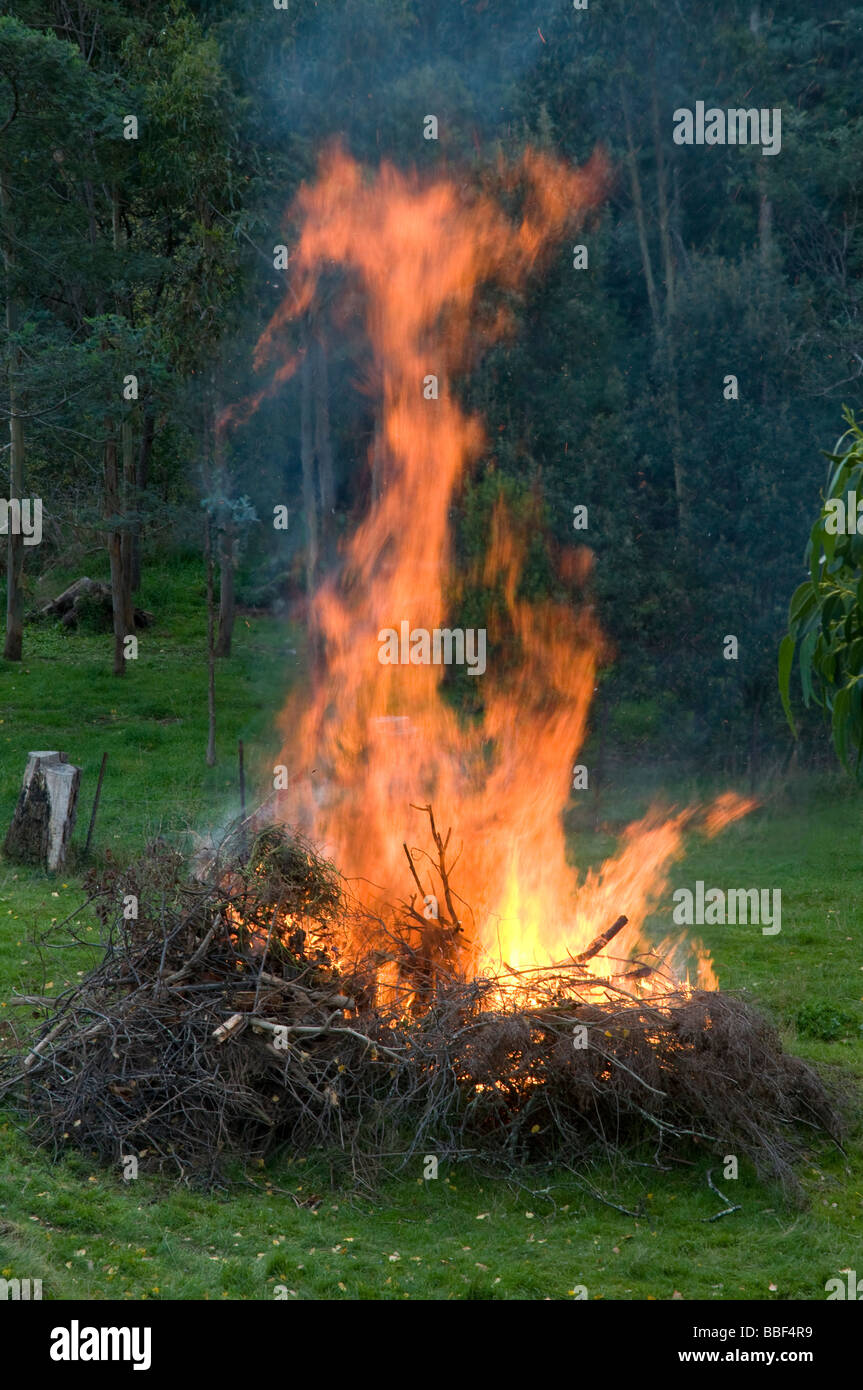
[(729, 1207)]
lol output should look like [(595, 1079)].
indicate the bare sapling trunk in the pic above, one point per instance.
[(115, 548), (14, 642), (142, 473), (638, 207), (670, 326), (127, 534), (226, 589), (211, 651), (227, 535)]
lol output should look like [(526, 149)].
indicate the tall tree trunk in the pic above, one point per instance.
[(765, 253), (765, 220), (142, 473), (13, 645), (116, 219), (662, 202), (324, 452), (211, 650), (226, 553), (208, 440), (307, 462), (92, 224), (765, 228), (128, 485), (676, 230), (127, 541), (227, 606), (669, 326), (638, 206), (115, 547)]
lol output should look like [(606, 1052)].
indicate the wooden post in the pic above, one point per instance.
[(96, 799)]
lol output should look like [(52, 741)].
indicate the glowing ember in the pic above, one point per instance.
[(415, 253)]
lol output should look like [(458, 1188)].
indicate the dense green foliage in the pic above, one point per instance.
[(155, 256), (826, 616)]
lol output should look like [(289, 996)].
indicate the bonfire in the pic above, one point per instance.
[(235, 1017), (398, 957)]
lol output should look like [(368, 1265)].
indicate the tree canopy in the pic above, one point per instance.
[(679, 385)]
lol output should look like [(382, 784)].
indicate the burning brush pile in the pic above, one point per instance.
[(268, 1001), (227, 1021)]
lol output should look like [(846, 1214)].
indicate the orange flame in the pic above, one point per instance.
[(373, 739)]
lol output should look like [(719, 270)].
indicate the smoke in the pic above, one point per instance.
[(368, 72)]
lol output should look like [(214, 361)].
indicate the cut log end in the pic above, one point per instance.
[(44, 816)]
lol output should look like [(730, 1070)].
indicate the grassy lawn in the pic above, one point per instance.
[(299, 1228)]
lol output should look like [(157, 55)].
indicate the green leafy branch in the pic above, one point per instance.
[(825, 623)]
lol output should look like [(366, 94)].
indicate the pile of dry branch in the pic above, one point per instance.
[(225, 1020), (87, 598)]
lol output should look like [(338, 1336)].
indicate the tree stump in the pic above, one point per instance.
[(45, 814)]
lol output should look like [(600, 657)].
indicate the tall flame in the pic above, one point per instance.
[(372, 740)]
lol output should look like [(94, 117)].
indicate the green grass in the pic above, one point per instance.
[(461, 1236), (152, 723), (89, 1235)]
